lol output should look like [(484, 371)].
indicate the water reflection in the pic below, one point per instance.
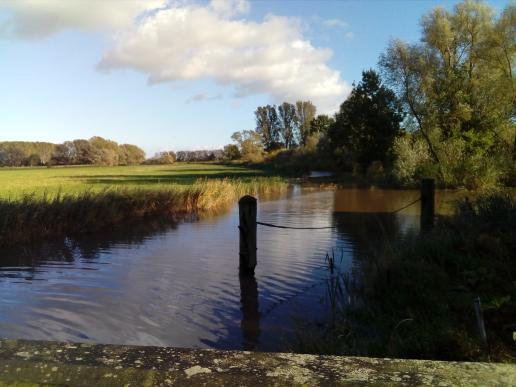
[(250, 324), (161, 285)]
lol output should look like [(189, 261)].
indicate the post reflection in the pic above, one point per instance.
[(250, 323)]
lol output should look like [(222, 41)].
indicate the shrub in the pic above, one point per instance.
[(411, 155)]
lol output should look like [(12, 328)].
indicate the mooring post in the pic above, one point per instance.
[(247, 227), (427, 204)]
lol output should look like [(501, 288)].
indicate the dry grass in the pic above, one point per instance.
[(65, 211)]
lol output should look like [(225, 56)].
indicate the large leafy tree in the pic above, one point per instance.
[(305, 113), (267, 125), (367, 122), (457, 85), (288, 124)]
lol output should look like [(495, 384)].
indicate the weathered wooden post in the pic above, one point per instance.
[(427, 204), (247, 227)]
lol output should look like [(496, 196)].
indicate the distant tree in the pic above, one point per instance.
[(288, 124), (200, 155), (321, 124), (33, 160), (267, 125), (64, 154), (368, 121), (85, 153), (129, 154), (163, 158), (231, 152), (250, 145), (108, 150), (305, 113)]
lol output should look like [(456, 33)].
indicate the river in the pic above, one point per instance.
[(179, 285)]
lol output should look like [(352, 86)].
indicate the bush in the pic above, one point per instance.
[(231, 152), (411, 154), (416, 300)]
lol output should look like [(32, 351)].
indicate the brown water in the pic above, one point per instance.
[(179, 286)]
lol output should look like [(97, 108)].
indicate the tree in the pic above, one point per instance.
[(64, 154), (108, 150), (231, 152), (85, 153), (458, 87), (305, 113), (267, 125), (129, 154), (367, 122), (288, 124), (250, 145), (321, 124)]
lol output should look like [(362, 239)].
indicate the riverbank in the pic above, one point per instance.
[(417, 298), (40, 203)]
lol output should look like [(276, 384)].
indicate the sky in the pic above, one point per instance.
[(180, 74)]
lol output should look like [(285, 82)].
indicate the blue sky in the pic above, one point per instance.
[(183, 74)]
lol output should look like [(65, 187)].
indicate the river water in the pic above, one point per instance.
[(179, 286)]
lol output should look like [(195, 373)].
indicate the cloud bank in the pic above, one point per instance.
[(184, 41), (33, 19)]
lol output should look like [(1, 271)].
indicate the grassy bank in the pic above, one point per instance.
[(18, 182), (417, 299), (40, 203)]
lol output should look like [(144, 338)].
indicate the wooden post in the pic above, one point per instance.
[(247, 227), (427, 204)]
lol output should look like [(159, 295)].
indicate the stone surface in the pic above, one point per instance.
[(35, 362)]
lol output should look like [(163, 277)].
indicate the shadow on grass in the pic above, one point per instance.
[(177, 178)]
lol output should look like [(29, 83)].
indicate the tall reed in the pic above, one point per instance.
[(34, 217)]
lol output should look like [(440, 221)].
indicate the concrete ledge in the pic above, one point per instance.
[(33, 362)]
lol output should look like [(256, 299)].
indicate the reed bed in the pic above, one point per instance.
[(34, 217)]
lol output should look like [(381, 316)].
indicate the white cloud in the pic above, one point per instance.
[(179, 40), (335, 23), (230, 8), (29, 19), (349, 35), (192, 42)]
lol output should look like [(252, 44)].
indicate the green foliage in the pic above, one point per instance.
[(96, 151), (23, 153), (231, 152), (367, 122), (416, 300), (305, 114), (250, 145), (129, 154), (162, 158), (458, 86), (288, 124), (267, 125), (411, 157)]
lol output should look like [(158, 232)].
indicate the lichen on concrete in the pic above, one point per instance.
[(36, 362)]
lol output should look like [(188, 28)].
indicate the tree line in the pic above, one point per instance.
[(444, 107), (94, 151)]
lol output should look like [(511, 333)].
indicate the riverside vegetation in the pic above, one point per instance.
[(416, 298), (44, 202)]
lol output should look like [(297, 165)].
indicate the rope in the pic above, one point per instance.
[(408, 205), (294, 228), (327, 227)]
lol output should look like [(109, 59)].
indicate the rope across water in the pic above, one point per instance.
[(328, 227)]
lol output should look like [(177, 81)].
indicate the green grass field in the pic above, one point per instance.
[(17, 182)]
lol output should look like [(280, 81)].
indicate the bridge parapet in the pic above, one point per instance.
[(23, 361)]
